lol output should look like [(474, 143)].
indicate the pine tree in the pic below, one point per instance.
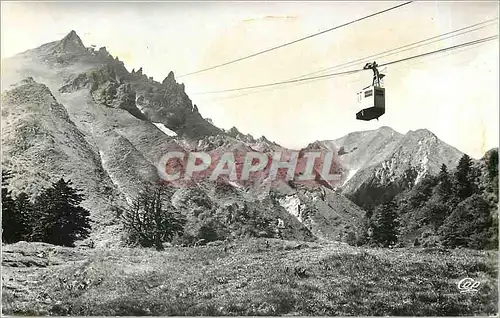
[(12, 227), (464, 178), (60, 218), (24, 210), (492, 189), (385, 224), (493, 164), (445, 187)]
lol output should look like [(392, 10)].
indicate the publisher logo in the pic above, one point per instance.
[(468, 285)]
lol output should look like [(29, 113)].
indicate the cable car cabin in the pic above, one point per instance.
[(372, 101)]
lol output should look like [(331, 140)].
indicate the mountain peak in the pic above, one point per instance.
[(234, 131), (28, 80), (421, 133), (316, 145), (72, 34), (72, 37), (170, 79), (263, 138), (71, 43), (386, 128)]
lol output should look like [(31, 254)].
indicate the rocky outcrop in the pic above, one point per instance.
[(235, 133), (167, 103), (107, 88)]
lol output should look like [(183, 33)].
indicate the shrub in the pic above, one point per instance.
[(151, 219)]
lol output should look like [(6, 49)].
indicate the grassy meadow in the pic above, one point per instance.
[(249, 277)]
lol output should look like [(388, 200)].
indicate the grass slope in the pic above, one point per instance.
[(250, 278)]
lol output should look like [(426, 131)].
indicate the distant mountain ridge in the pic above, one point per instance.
[(383, 161), (106, 128)]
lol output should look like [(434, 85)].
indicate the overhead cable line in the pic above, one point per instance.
[(414, 45), (486, 39), (352, 71), (242, 94), (407, 47), (397, 50), (295, 41), (280, 83)]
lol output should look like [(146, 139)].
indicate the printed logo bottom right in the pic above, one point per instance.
[(468, 285)]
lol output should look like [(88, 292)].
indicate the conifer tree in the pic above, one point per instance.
[(445, 187), (60, 218), (12, 226), (464, 179), (385, 224), (493, 164), (25, 212)]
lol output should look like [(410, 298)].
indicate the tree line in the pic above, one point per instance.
[(150, 219), (54, 216), (450, 209)]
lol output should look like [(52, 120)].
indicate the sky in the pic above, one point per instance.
[(453, 94)]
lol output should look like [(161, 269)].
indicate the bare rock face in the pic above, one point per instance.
[(167, 103), (107, 88)]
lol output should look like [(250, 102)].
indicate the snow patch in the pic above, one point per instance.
[(292, 205), (138, 105), (350, 175), (165, 130), (235, 185), (425, 160)]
